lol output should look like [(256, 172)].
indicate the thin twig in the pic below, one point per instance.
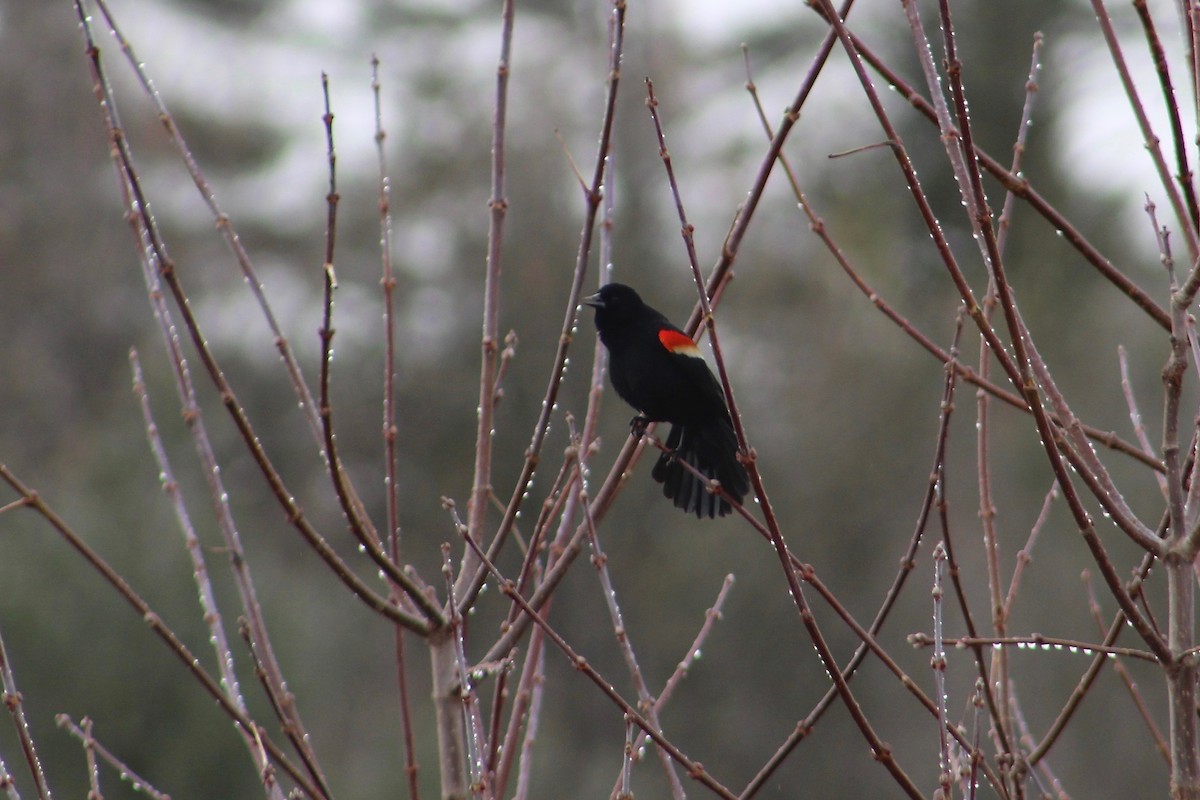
[(123, 160), (10, 696), (208, 602), (84, 734), (1183, 168), (987, 510), (881, 751), (995, 673), (932, 497), (1041, 772), (524, 708), (592, 199), (390, 429), (1036, 754), (223, 221), (1025, 554), (1028, 360), (1023, 376), (1034, 641), (35, 503), (1135, 415), (980, 378), (938, 664), (624, 789), (89, 752), (481, 485), (352, 509), (1130, 685), (477, 747), (7, 784), (721, 271), (971, 777), (645, 700), (568, 545), (681, 669), (1150, 140), (1018, 184), (811, 578), (193, 417), (694, 769), (537, 648)]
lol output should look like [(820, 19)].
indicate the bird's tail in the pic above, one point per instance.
[(712, 450)]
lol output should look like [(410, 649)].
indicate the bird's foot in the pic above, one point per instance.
[(637, 426)]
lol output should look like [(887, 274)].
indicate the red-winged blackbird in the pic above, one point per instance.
[(657, 369)]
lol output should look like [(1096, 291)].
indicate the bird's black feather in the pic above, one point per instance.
[(656, 368)]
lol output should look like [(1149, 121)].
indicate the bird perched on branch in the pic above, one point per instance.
[(657, 368)]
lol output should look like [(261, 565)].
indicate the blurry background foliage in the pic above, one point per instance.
[(841, 406)]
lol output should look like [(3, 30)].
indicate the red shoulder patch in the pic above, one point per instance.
[(678, 342)]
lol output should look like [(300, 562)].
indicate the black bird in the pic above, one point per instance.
[(657, 369)]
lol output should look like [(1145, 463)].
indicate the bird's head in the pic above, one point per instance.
[(613, 303)]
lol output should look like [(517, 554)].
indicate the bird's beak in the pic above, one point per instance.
[(593, 300)]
